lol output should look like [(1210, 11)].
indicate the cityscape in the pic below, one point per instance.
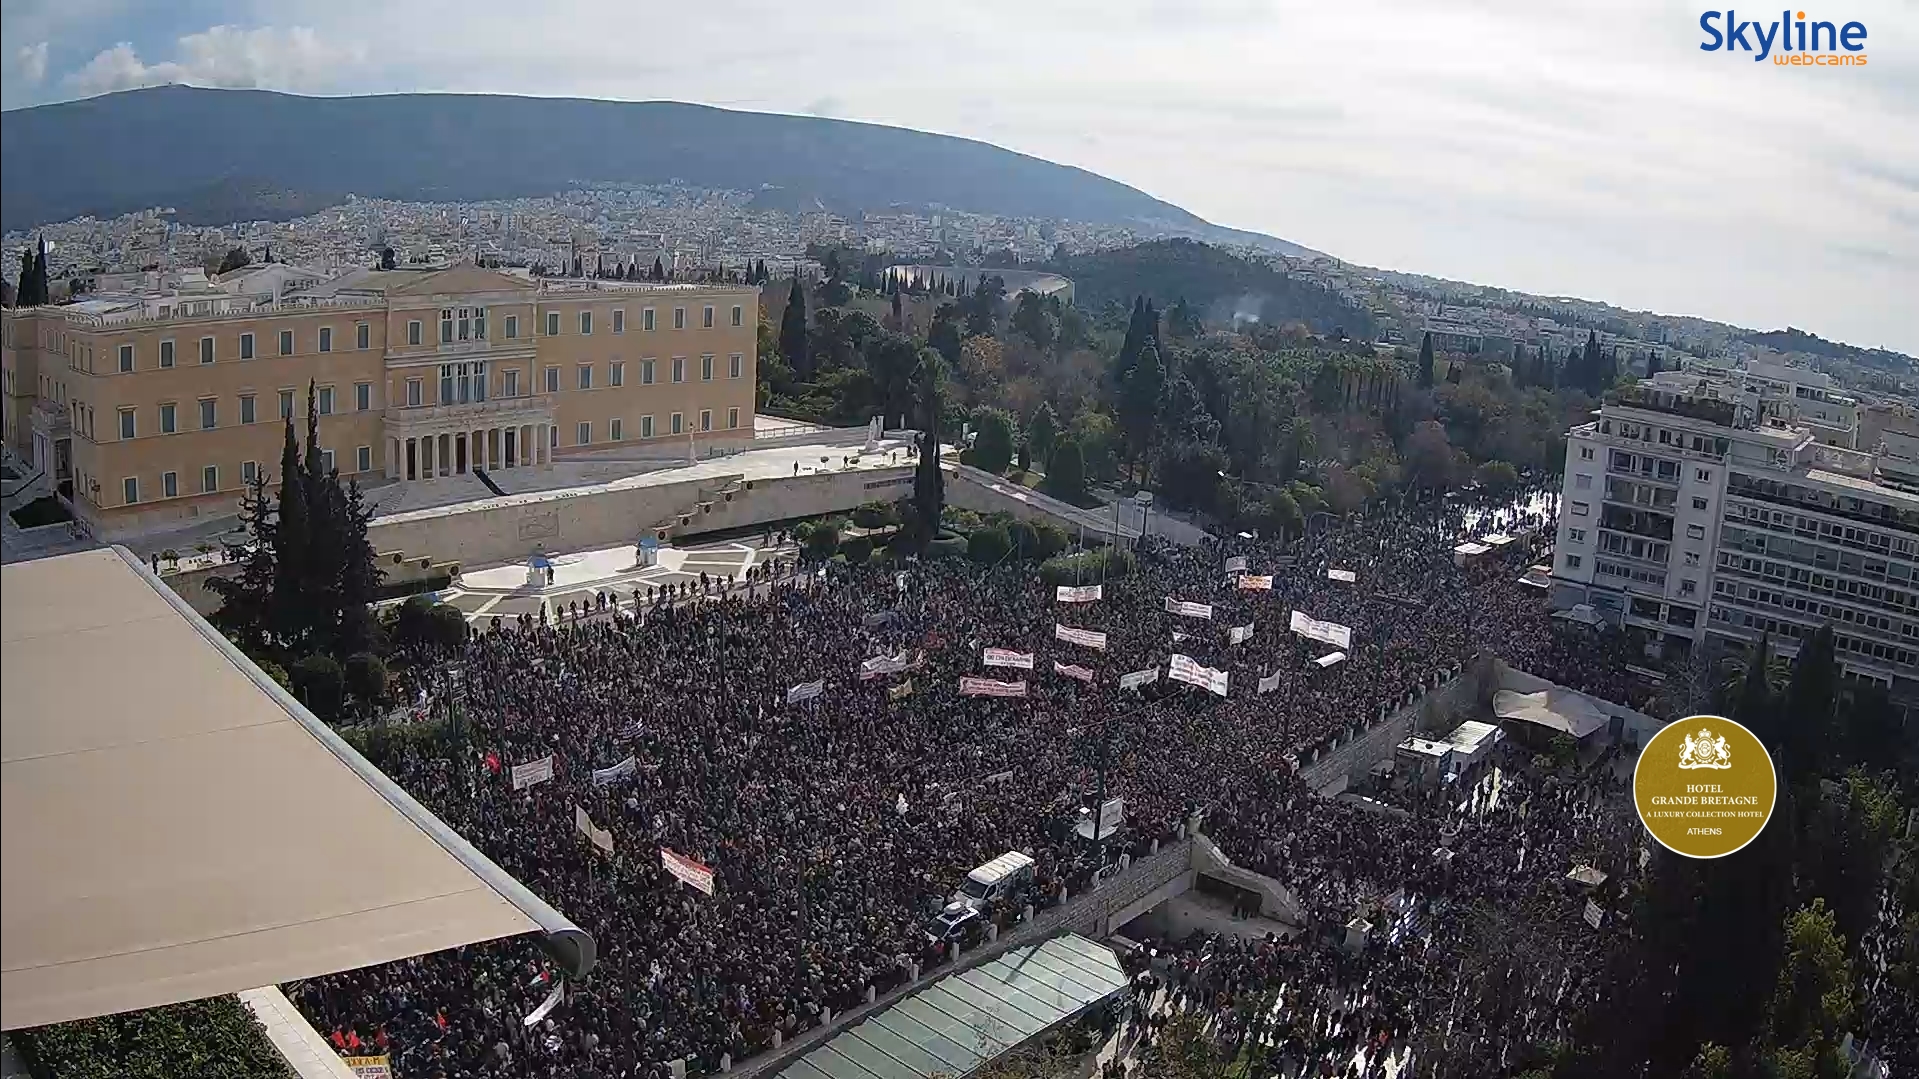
[(897, 608)]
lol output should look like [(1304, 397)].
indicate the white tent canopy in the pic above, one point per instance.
[(1558, 709)]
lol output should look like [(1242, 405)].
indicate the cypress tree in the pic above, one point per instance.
[(1591, 373), (40, 282), (290, 558), (659, 269), (1426, 362), (929, 486), (23, 296), (793, 331)]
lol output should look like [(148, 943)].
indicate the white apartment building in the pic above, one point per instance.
[(1687, 514)]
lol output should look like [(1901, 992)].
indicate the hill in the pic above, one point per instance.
[(1222, 285), (1797, 340), (195, 149)]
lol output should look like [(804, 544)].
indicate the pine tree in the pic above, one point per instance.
[(1426, 363), (245, 616), (793, 332)]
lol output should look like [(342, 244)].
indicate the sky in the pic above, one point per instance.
[(1574, 149)]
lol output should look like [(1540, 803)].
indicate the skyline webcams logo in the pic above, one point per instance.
[(1800, 42)]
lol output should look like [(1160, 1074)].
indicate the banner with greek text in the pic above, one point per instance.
[(1139, 678), (1269, 683), (1090, 638), (805, 691), (1342, 575), (1330, 632), (986, 687), (1006, 657), (689, 872), (1236, 564), (1186, 669), (881, 666), (1239, 634), (1082, 673), (615, 773), (369, 1067), (532, 772), (1188, 609), (1085, 593), (901, 691), (1256, 584)]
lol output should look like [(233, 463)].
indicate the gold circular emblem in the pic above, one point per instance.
[(1704, 787)]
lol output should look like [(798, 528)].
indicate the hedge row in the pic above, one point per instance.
[(215, 1038)]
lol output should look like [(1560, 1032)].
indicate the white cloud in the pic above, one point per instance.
[(32, 62), (293, 58)]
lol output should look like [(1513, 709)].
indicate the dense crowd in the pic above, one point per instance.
[(836, 826)]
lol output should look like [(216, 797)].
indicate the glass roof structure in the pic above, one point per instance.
[(964, 1020)]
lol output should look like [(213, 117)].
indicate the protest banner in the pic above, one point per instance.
[(805, 691), (1330, 632), (1240, 634), (1188, 609), (1256, 584), (1006, 657), (1139, 678), (1090, 638), (1186, 669), (615, 773), (1085, 593), (689, 872), (1084, 674), (986, 687), (532, 772)]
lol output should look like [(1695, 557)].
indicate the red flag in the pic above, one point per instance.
[(339, 1042), (380, 1038), (493, 762), (353, 1039), (440, 1018)]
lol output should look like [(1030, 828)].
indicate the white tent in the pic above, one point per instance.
[(1558, 709)]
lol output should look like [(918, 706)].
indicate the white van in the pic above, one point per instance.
[(998, 879)]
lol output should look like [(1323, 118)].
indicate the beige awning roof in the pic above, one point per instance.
[(1559, 709), (174, 826)]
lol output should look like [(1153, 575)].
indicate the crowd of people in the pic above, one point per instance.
[(836, 826)]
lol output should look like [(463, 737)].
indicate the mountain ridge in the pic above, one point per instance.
[(161, 146)]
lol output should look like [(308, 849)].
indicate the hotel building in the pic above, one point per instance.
[(1694, 506), (153, 409)]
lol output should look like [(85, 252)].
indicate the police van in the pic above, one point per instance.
[(1005, 877)]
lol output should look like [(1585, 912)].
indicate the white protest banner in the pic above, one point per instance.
[(546, 1007), (601, 838), (986, 687), (689, 872), (880, 666), (880, 618), (1269, 683), (901, 691), (1085, 593), (805, 691), (1594, 915), (1329, 659), (1330, 632), (1236, 564), (526, 775), (1082, 673), (1256, 584), (1006, 657), (1240, 633), (1090, 638), (1186, 669), (1139, 678), (615, 773), (899, 582), (1342, 575), (1188, 608)]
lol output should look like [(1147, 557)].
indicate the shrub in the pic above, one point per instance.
[(1036, 542), (1066, 476), (856, 549), (946, 547), (318, 682), (274, 671), (820, 541), (1107, 562), (988, 546), (876, 515), (217, 1036)]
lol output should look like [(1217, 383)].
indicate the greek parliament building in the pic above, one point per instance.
[(1732, 504), (159, 404)]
